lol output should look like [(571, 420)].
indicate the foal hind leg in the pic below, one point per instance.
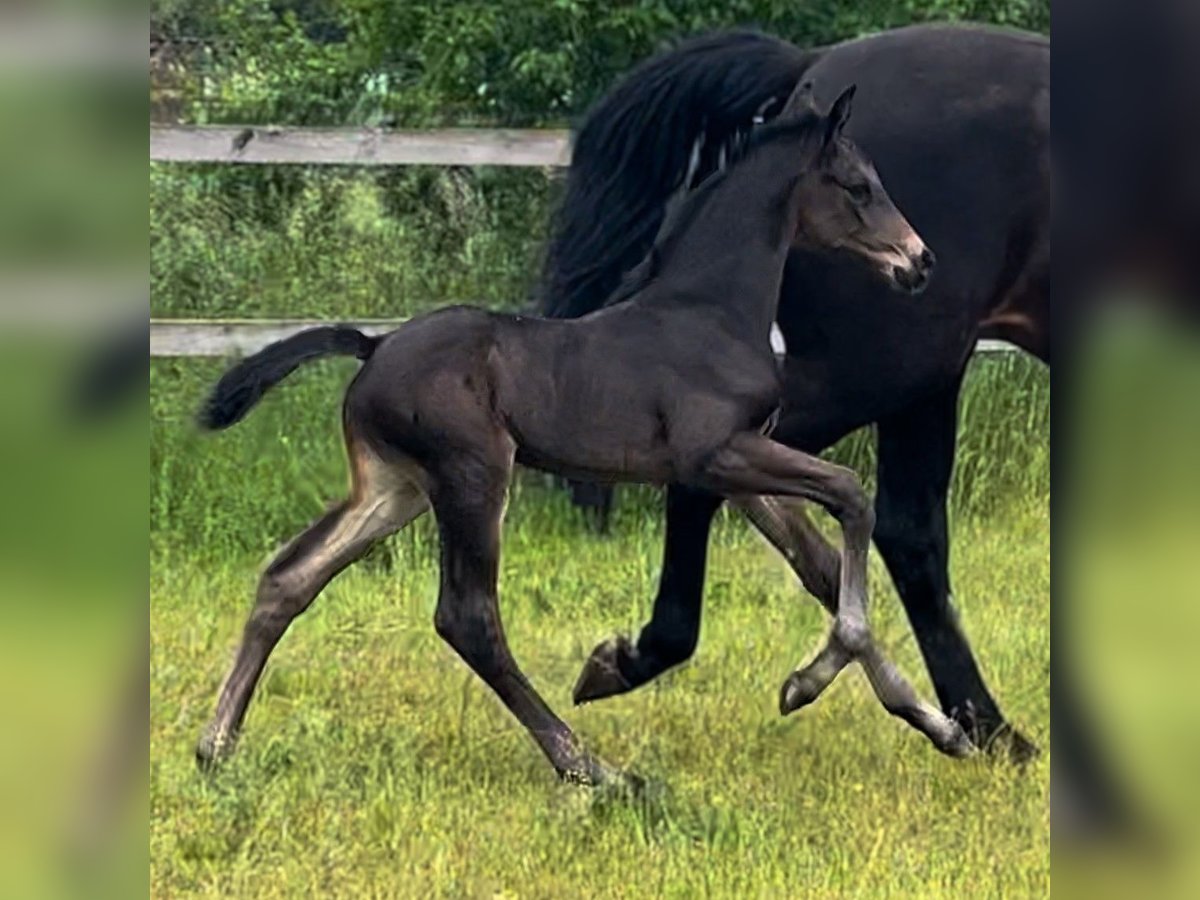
[(785, 524), (753, 464), (468, 500), (383, 502)]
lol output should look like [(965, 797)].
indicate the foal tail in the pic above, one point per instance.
[(635, 147), (244, 385)]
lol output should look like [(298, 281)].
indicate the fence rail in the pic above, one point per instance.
[(237, 337), (256, 144), (262, 145)]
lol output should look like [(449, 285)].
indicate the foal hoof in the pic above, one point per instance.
[(212, 749), (601, 676), (595, 773), (797, 692), (955, 743)]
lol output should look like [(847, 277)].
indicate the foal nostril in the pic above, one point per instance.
[(927, 259), (912, 279)]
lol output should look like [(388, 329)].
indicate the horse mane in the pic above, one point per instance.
[(634, 146)]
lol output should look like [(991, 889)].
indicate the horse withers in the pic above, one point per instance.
[(676, 385)]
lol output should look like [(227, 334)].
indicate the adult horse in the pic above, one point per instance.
[(957, 119)]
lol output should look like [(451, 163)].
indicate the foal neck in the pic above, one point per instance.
[(730, 240)]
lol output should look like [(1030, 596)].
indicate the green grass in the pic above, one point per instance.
[(374, 764), (327, 242)]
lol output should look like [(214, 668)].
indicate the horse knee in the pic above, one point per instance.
[(852, 507)]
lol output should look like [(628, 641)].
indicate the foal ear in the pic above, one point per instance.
[(799, 102), (839, 113)]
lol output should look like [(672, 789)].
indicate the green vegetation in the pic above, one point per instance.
[(374, 763), (280, 240)]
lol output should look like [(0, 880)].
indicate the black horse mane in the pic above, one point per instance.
[(689, 105)]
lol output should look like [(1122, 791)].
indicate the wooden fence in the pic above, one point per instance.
[(359, 146), (238, 337), (261, 145)]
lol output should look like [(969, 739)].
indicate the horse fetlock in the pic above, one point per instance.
[(592, 772), (854, 635), (670, 648)]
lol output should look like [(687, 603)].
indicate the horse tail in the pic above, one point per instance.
[(634, 148), (246, 383)]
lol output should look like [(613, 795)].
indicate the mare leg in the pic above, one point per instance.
[(785, 524), (468, 500), (595, 500), (383, 502), (916, 456), (669, 638), (753, 464)]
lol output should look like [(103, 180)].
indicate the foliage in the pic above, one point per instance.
[(520, 64), (342, 243), (285, 240)]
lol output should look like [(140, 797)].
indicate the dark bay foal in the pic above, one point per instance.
[(676, 385)]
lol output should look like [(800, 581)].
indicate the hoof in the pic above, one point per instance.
[(956, 743), (595, 773), (797, 692), (1006, 740), (212, 749), (601, 676)]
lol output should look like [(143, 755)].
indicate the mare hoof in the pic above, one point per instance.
[(212, 749), (798, 691), (1021, 751), (601, 676)]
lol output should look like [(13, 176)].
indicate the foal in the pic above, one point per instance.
[(446, 405)]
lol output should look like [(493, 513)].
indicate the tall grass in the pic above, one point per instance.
[(246, 489), (279, 241)]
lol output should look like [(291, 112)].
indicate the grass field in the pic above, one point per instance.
[(374, 764)]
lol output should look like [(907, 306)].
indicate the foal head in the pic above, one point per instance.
[(842, 205)]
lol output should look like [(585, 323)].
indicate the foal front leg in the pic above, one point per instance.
[(785, 524), (753, 464)]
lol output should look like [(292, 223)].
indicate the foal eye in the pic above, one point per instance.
[(859, 193)]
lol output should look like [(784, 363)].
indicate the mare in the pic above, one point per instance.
[(957, 120)]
